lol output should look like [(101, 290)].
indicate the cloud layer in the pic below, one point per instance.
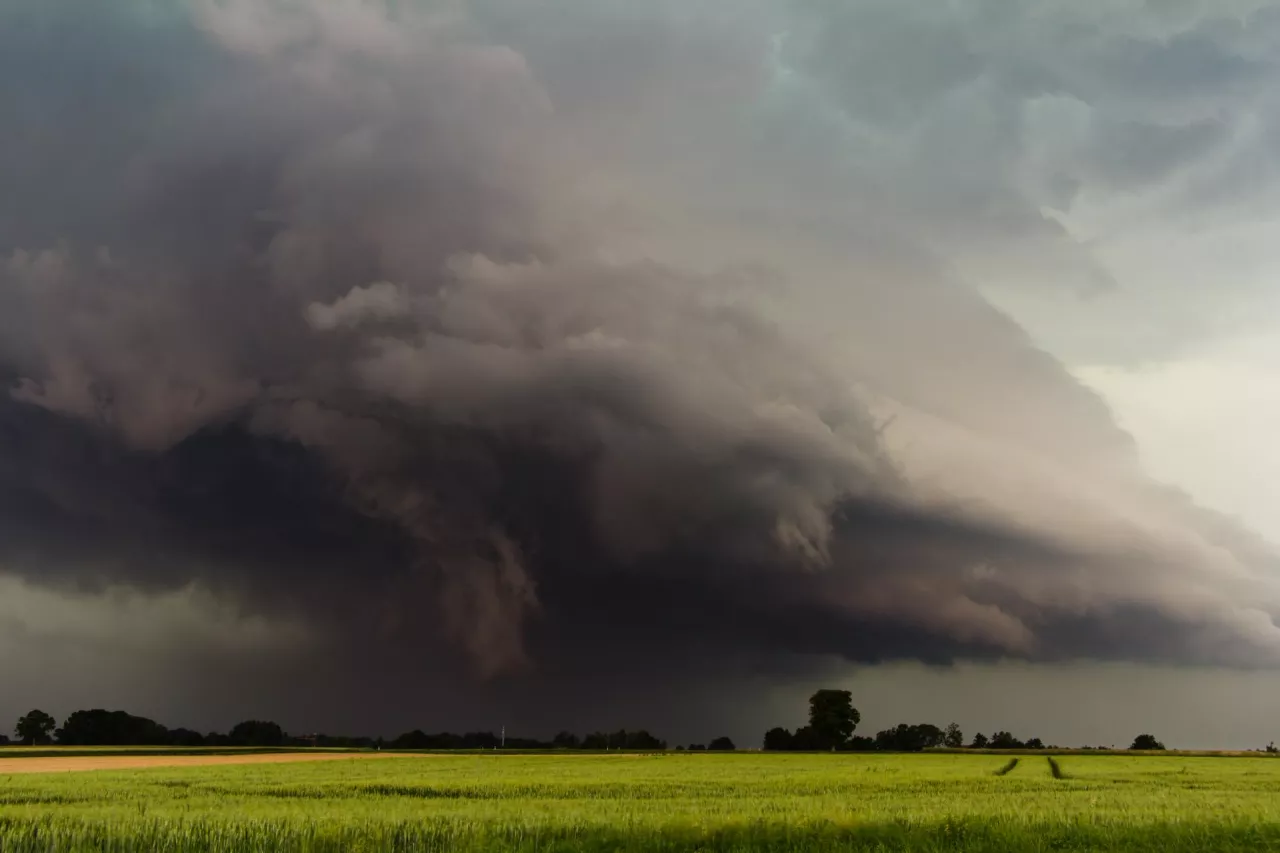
[(546, 338)]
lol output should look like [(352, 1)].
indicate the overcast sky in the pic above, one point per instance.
[(571, 363)]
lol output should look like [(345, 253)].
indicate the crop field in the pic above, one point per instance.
[(672, 801)]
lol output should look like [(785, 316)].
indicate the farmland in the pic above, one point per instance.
[(670, 801)]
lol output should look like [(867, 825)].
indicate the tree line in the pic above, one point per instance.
[(98, 727), (640, 740), (832, 723), (833, 720)]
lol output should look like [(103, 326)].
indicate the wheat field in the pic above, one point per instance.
[(671, 801)]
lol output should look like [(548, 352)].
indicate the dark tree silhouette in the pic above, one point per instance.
[(1146, 742), (623, 739), (858, 743), (643, 740), (952, 736), (905, 738), (256, 733), (1035, 743), (185, 737), (832, 718), (566, 740), (779, 739), (416, 739), (97, 727), (1004, 740), (721, 744), (979, 741), (806, 739), (35, 727)]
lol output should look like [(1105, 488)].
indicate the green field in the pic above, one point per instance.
[(741, 802)]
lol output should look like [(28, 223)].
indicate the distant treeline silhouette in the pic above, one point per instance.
[(622, 739), (98, 727), (832, 721)]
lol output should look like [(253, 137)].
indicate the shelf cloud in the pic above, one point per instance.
[(522, 341)]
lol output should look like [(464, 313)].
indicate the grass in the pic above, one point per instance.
[(751, 802)]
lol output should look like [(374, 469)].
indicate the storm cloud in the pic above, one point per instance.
[(532, 340)]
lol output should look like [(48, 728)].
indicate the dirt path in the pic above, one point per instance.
[(132, 762)]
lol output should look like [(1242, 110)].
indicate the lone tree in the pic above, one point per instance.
[(1146, 742), (721, 744), (979, 741), (952, 737), (35, 727), (832, 718)]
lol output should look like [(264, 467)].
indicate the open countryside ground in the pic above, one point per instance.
[(742, 802)]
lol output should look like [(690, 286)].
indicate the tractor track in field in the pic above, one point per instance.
[(1007, 768)]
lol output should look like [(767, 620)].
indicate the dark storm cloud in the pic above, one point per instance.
[(422, 330)]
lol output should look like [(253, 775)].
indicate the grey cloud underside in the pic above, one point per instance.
[(399, 327), (257, 520)]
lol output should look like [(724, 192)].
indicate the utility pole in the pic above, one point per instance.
[(504, 737)]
